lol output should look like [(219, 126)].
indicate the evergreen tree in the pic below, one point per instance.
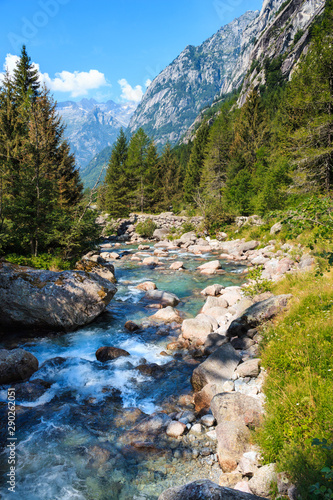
[(26, 81), (116, 184), (170, 176), (137, 168), (195, 165), (153, 178), (308, 112)]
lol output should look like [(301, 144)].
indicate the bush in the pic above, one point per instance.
[(257, 284), (146, 229), (42, 261), (187, 227)]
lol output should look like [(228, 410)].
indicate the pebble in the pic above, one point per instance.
[(208, 420), (197, 429)]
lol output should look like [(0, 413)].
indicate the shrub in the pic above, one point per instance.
[(257, 284), (42, 261), (187, 227), (146, 229)]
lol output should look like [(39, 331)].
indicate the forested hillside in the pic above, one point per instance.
[(267, 155)]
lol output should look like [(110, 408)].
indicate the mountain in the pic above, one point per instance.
[(95, 171), (91, 126), (198, 75)]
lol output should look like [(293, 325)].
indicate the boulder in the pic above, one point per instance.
[(250, 368), (147, 285), (151, 370), (217, 368), (197, 329), (277, 228), (258, 313), (233, 438), (16, 365), (104, 271), (176, 266), (214, 302), (151, 261), (143, 247), (212, 290), (203, 398), (109, 353), (160, 234), (188, 237), (205, 490), (164, 298), (153, 424), (166, 315), (61, 300), (230, 406), (231, 297), (213, 265), (131, 326), (260, 483)]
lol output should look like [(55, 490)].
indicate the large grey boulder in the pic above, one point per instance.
[(258, 313), (205, 490), (160, 234), (47, 299), (16, 365), (262, 479), (103, 270), (216, 369), (197, 329), (231, 406)]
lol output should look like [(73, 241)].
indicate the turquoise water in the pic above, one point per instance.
[(58, 430)]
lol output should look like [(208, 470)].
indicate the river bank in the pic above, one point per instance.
[(90, 410)]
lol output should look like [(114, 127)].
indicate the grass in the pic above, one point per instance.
[(298, 354), (42, 261)]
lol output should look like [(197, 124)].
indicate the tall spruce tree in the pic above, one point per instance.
[(137, 168), (116, 184), (195, 164)]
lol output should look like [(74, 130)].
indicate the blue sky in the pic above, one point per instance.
[(108, 49)]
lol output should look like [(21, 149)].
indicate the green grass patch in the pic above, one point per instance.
[(42, 261), (298, 354)]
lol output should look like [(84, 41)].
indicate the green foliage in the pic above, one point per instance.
[(257, 284), (298, 36), (187, 227), (146, 229), (297, 354), (324, 489), (42, 261)]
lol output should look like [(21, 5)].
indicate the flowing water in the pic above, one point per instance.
[(70, 438)]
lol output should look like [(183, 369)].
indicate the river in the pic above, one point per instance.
[(60, 433)]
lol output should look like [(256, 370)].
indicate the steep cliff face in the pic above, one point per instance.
[(190, 82), (286, 36)]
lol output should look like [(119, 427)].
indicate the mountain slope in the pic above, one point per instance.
[(95, 168), (189, 83), (92, 126)]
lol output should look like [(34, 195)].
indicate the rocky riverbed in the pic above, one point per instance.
[(163, 389)]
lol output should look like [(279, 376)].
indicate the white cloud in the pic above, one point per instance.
[(130, 93), (77, 83), (148, 82)]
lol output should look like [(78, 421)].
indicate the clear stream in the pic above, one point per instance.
[(59, 432)]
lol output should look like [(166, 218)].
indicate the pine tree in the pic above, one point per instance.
[(116, 184), (195, 165), (153, 178), (26, 80), (170, 175), (137, 168), (308, 113)]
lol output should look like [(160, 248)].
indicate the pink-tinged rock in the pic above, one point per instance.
[(214, 302), (197, 329), (166, 315), (212, 265), (147, 285), (232, 441), (150, 261), (212, 290), (176, 266), (234, 405), (250, 368), (175, 429)]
